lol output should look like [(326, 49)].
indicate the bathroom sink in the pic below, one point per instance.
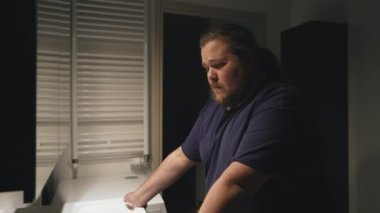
[(101, 206)]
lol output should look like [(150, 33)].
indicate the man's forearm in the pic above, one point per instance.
[(222, 197), (236, 183), (166, 174)]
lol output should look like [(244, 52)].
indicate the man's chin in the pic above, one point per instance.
[(223, 100), (217, 99), (220, 100), (226, 101)]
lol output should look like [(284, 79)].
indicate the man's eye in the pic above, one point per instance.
[(219, 65)]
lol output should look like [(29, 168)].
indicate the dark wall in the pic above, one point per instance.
[(18, 100), (185, 93), (315, 56)]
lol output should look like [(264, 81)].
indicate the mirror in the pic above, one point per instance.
[(53, 86)]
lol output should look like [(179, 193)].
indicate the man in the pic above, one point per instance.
[(250, 136)]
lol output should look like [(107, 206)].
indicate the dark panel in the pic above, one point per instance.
[(18, 89), (315, 56)]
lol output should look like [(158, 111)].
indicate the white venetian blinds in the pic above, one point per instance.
[(53, 79), (108, 78)]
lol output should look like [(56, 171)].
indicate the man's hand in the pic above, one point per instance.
[(132, 202)]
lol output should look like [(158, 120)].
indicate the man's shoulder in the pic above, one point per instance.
[(276, 88), (277, 91)]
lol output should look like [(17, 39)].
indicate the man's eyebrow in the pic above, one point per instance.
[(216, 60)]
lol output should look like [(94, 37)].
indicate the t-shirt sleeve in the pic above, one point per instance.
[(191, 145), (270, 134)]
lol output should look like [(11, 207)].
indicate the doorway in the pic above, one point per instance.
[(185, 91)]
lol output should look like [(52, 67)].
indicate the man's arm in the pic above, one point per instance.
[(173, 167), (236, 182)]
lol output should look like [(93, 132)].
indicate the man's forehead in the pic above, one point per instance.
[(216, 46)]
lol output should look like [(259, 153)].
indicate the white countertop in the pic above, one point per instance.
[(101, 191), (106, 191), (100, 188)]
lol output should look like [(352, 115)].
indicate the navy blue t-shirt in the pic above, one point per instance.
[(266, 132)]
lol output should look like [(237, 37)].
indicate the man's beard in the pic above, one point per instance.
[(233, 99)]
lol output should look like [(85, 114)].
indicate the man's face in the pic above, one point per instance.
[(225, 73)]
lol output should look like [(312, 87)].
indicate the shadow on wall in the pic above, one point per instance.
[(368, 184)]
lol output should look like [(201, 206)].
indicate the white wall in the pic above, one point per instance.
[(277, 15), (324, 10), (364, 105)]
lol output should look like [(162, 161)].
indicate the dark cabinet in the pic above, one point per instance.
[(315, 56)]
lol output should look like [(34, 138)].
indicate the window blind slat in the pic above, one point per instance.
[(120, 3), (84, 20)]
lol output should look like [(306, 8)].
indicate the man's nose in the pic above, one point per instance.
[(211, 75)]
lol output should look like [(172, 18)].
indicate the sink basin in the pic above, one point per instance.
[(100, 206)]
